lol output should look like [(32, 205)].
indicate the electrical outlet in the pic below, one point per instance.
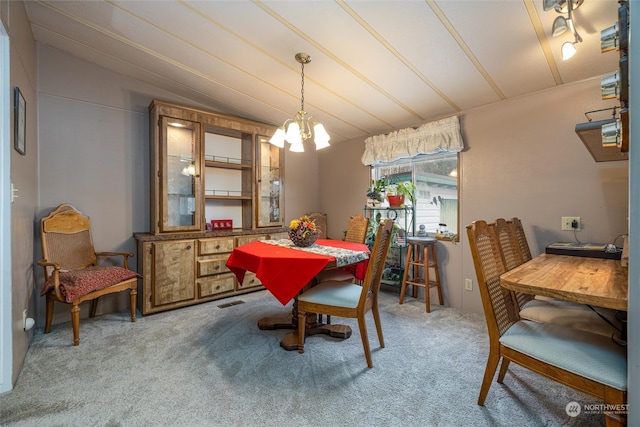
[(568, 223), (468, 284)]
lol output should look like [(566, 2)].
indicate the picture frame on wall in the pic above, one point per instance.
[(20, 125)]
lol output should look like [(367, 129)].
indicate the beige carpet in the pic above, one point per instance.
[(212, 366)]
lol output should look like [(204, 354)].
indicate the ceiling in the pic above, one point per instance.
[(376, 65)]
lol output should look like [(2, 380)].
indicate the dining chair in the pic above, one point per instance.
[(515, 251), (350, 300), (72, 273), (356, 233), (588, 362)]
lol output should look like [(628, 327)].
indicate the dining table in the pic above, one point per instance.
[(592, 281), (285, 270)]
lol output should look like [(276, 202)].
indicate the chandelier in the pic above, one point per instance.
[(302, 127)]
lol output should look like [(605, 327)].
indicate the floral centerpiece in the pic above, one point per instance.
[(303, 231)]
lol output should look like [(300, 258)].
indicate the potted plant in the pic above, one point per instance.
[(374, 192), (397, 192)]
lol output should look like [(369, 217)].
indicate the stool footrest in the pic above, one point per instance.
[(420, 282), (421, 264)]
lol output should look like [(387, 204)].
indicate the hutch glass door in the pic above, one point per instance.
[(180, 185), (270, 193)]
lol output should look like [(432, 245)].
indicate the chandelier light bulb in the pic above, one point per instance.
[(321, 137), (278, 138), (293, 134), (297, 146), (568, 50), (559, 26)]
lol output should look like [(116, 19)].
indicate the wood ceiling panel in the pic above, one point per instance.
[(377, 65)]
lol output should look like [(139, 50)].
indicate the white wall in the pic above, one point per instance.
[(23, 172)]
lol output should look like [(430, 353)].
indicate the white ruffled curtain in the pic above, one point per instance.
[(430, 138)]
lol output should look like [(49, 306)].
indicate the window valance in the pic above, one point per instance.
[(430, 138)]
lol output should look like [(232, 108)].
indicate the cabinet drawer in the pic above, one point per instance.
[(216, 285), (243, 240), (215, 246), (209, 266), (250, 281)]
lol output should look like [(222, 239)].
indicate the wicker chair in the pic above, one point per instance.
[(515, 251), (350, 299), (72, 273), (356, 233), (357, 229), (587, 362)]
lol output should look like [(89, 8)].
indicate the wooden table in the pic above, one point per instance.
[(592, 281), (285, 271)]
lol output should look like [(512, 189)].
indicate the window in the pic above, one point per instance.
[(436, 180)]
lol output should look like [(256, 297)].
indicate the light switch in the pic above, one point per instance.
[(14, 193)]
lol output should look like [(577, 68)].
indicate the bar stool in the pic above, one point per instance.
[(421, 254)]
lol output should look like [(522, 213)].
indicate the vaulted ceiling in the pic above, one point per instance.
[(376, 65)]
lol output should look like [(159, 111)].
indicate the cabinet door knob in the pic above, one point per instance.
[(188, 247), (217, 246)]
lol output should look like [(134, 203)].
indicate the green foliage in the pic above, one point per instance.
[(406, 188), (376, 189)]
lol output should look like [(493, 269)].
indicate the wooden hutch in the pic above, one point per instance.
[(216, 183)]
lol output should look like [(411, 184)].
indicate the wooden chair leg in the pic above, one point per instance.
[(365, 340), (489, 372), (503, 370), (94, 307), (49, 315), (613, 398), (132, 301), (302, 317), (376, 319), (75, 323)]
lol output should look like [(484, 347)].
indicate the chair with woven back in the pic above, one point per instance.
[(350, 300), (588, 362), (72, 273), (356, 233), (511, 252), (515, 251)]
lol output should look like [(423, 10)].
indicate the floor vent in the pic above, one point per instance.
[(229, 304)]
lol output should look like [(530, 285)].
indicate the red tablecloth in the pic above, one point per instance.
[(285, 271)]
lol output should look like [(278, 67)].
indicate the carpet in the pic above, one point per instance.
[(207, 365)]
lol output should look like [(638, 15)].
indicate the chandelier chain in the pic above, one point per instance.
[(302, 90)]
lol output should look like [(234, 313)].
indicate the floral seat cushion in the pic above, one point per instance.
[(76, 283)]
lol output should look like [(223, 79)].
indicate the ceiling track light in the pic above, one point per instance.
[(562, 24), (302, 126)]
